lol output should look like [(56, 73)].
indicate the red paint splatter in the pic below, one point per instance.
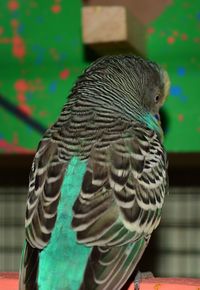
[(11, 148), (170, 39), (1, 30), (21, 85), (150, 30), (56, 8), (26, 109), (13, 5), (21, 97), (180, 117), (64, 74), (18, 49), (18, 44), (184, 37)]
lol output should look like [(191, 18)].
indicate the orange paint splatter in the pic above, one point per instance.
[(43, 113), (6, 40), (180, 117), (54, 54), (13, 5), (64, 74), (18, 49), (15, 138), (175, 33), (197, 39), (56, 8), (170, 39), (184, 37), (14, 23), (157, 286), (21, 98)]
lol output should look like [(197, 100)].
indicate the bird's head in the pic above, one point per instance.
[(128, 84)]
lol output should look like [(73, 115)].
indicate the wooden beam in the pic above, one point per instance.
[(112, 30), (144, 10)]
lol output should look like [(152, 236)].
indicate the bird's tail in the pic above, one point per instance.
[(28, 268), (109, 268)]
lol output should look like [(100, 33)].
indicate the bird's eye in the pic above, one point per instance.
[(156, 99)]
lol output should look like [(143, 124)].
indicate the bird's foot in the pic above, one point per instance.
[(141, 276)]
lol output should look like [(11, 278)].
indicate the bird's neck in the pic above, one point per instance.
[(152, 123)]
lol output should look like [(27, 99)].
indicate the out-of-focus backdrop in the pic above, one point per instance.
[(44, 47)]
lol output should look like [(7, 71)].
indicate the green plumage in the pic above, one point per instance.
[(63, 261)]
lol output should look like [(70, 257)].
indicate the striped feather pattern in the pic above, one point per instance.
[(123, 189), (121, 198)]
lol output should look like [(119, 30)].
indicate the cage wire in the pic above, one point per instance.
[(176, 249)]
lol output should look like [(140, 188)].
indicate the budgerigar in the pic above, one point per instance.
[(98, 180)]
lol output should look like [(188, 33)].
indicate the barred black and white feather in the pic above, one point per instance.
[(124, 185)]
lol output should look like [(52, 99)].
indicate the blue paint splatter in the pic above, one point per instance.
[(15, 13), (29, 130), (40, 53), (198, 16), (63, 56), (39, 59), (53, 87), (181, 71), (21, 28), (175, 90), (37, 48), (1, 136), (29, 96), (39, 19), (183, 98), (58, 38)]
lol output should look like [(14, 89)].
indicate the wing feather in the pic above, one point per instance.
[(44, 192), (120, 203)]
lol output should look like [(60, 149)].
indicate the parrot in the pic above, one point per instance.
[(98, 180)]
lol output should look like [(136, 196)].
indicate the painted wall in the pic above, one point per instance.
[(41, 54), (174, 42), (40, 58)]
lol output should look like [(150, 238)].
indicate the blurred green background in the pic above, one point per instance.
[(41, 55)]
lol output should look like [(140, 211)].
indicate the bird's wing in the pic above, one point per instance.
[(45, 181), (120, 204)]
